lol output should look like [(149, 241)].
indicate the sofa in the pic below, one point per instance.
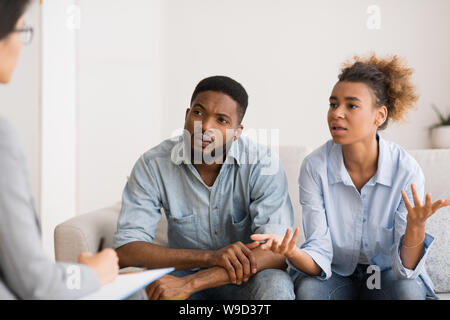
[(94, 231)]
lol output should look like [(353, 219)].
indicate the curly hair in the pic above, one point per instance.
[(390, 80)]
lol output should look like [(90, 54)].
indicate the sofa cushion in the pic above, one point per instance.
[(435, 166)]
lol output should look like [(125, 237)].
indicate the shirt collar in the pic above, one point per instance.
[(181, 152), (338, 172)]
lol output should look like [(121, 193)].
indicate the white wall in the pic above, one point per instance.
[(59, 122), (287, 54), (120, 105)]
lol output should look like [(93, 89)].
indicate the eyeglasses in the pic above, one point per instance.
[(25, 34)]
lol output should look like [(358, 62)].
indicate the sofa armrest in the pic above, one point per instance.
[(87, 232)]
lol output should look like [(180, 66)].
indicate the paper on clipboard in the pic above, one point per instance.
[(127, 284)]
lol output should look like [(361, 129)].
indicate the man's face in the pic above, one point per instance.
[(212, 122)]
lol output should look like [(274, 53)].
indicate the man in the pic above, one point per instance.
[(215, 189)]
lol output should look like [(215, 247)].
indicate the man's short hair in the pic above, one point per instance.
[(225, 85)]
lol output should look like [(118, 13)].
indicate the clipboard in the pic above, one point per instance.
[(127, 284)]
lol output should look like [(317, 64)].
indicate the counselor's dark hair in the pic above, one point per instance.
[(390, 80), (10, 13), (225, 85)]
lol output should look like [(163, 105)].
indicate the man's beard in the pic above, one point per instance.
[(210, 154)]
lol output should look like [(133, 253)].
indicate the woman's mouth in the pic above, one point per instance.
[(336, 130)]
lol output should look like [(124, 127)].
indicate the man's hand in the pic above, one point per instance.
[(169, 288), (237, 259)]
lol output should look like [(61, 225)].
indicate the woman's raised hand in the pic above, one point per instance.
[(276, 242)]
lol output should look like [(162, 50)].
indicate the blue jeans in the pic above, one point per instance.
[(355, 287), (269, 284)]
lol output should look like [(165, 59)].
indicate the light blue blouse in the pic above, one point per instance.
[(339, 222)]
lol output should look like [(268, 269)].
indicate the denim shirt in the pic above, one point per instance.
[(250, 195), (339, 222)]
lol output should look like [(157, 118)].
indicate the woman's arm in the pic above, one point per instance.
[(413, 241), (288, 248)]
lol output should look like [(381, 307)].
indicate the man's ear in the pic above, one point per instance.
[(238, 132)]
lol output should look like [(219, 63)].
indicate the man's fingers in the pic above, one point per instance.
[(151, 291), (245, 262), (406, 201), (231, 272), (238, 268), (415, 196), (250, 256)]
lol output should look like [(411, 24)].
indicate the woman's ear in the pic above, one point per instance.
[(381, 116)]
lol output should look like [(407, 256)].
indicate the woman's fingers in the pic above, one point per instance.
[(261, 236), (415, 196), (253, 245), (293, 241), (406, 201), (439, 204), (267, 245), (284, 243)]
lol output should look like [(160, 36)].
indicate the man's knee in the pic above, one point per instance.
[(272, 284)]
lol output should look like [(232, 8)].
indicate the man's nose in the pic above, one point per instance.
[(208, 124)]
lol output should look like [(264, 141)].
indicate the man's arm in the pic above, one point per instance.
[(170, 287), (147, 255)]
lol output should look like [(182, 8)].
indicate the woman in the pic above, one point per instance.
[(25, 271), (364, 237)]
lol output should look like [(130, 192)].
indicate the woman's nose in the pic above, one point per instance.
[(338, 112)]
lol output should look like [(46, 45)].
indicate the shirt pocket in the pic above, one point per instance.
[(182, 231), (241, 229)]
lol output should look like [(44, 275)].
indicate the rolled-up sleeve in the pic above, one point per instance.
[(270, 205), (315, 227), (141, 207), (400, 226)]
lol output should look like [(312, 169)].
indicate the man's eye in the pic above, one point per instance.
[(222, 120), (198, 113)]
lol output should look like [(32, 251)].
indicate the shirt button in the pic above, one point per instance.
[(215, 208), (217, 232)]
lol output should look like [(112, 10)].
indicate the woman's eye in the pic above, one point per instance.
[(352, 106), (333, 105)]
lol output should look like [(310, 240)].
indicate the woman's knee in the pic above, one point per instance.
[(408, 289)]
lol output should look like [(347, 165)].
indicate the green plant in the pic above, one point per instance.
[(443, 121)]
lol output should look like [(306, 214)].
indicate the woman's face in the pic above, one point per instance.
[(352, 116), (9, 53)]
